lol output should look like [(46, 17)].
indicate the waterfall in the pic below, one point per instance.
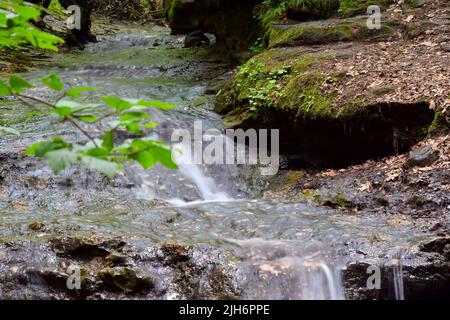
[(206, 186), (293, 276), (396, 265)]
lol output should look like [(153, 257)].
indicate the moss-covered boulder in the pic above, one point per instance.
[(321, 120), (231, 21), (340, 30)]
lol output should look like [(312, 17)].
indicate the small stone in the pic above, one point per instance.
[(383, 46), (422, 157), (116, 259), (36, 226), (445, 47)]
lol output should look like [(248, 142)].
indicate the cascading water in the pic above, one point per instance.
[(206, 185), (272, 270), (396, 266)]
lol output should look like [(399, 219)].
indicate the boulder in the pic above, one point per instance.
[(231, 21)]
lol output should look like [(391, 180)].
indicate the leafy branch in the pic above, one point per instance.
[(98, 153)]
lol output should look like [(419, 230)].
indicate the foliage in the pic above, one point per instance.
[(98, 153), (16, 29), (101, 154), (260, 86)]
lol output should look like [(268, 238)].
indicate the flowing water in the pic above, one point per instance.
[(286, 250)]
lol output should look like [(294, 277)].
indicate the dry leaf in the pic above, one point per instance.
[(365, 186)]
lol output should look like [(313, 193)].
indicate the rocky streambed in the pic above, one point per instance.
[(129, 239)]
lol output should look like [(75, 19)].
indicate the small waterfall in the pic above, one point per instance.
[(397, 271), (398, 281), (206, 185), (270, 273), (396, 265)]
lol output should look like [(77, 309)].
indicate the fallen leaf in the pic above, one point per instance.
[(409, 18), (365, 186)]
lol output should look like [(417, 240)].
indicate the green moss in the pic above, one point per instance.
[(306, 34), (304, 94), (439, 125), (381, 91), (349, 30), (340, 200), (349, 6)]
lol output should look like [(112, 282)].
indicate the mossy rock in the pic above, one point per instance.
[(124, 279), (345, 30), (286, 89), (440, 124)]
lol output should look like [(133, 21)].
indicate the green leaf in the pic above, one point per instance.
[(156, 104), (88, 118), (106, 167), (133, 115), (149, 125), (97, 152), (40, 149), (6, 130), (164, 156), (18, 84), (26, 11), (117, 103), (77, 91), (53, 82), (66, 108), (59, 160), (108, 141), (146, 159), (4, 89), (133, 127), (62, 111)]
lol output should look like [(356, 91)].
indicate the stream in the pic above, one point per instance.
[(279, 250)]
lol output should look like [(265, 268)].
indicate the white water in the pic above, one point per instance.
[(206, 186), (272, 273)]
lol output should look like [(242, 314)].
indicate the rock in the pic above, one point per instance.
[(421, 157), (37, 226), (231, 21), (117, 259), (439, 244), (85, 246), (321, 123), (124, 279), (196, 39)]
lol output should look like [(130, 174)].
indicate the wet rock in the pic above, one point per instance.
[(196, 39), (124, 279), (439, 244), (117, 259), (422, 157), (85, 246), (37, 226)]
